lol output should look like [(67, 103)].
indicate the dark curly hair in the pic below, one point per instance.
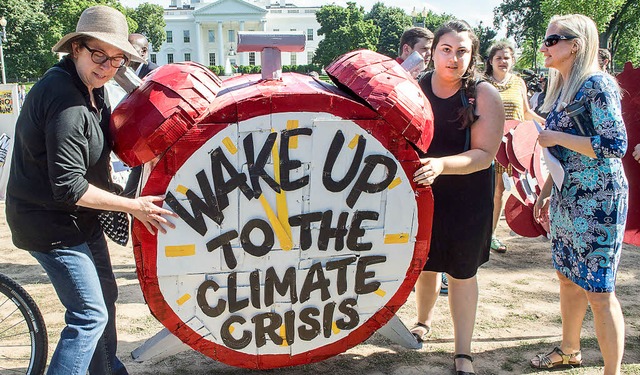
[(470, 78)]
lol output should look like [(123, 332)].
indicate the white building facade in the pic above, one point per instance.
[(206, 31)]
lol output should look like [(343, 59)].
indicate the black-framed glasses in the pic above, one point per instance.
[(553, 39), (100, 57)]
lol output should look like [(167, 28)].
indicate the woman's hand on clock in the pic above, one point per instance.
[(430, 170), (151, 215)]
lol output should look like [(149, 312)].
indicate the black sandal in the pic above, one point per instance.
[(420, 331), (463, 356)]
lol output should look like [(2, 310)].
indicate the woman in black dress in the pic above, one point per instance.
[(469, 117)]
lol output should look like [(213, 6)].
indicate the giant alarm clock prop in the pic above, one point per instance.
[(300, 230)]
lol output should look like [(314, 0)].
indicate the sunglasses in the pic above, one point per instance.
[(100, 57), (552, 40)]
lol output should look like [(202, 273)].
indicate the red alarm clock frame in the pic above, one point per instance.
[(301, 231)]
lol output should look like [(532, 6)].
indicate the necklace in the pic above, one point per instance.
[(504, 81)]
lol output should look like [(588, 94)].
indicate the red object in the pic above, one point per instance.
[(520, 218), (171, 102), (525, 138), (511, 155), (537, 170), (389, 89), (502, 156), (629, 81)]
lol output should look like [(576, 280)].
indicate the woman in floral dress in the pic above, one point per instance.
[(588, 209)]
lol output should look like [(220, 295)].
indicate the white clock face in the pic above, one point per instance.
[(294, 229)]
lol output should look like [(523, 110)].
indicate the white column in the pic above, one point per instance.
[(243, 55), (197, 51), (263, 27), (220, 54)]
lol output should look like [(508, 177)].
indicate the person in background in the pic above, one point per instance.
[(604, 58), (588, 209), (415, 39), (513, 91), (141, 45), (536, 100), (60, 182), (468, 122)]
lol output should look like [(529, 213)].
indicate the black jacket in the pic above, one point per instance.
[(60, 147), (146, 68)]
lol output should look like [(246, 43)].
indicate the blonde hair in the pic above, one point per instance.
[(585, 64)]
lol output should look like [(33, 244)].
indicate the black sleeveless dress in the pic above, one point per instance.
[(463, 204)]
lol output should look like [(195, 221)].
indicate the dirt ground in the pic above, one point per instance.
[(518, 317)]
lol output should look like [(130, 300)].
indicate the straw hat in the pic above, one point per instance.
[(105, 24)]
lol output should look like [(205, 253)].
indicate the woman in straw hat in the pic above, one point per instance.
[(60, 182)]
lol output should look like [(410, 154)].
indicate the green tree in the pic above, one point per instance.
[(150, 21), (486, 37), (27, 51), (345, 30), (625, 40), (433, 21), (392, 22), (525, 22), (617, 21)]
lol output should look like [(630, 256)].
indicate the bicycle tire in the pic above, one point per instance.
[(12, 292)]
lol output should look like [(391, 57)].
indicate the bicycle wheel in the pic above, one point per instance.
[(23, 335)]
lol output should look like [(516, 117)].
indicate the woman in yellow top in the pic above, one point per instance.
[(513, 92)]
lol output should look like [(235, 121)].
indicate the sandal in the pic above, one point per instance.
[(463, 356), (498, 246), (420, 331), (566, 360)]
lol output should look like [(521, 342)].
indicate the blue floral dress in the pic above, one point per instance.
[(588, 215)]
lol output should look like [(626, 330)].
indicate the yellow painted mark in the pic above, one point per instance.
[(228, 143), (283, 237), (183, 299), (293, 141), (281, 197), (354, 142), (182, 189), (380, 292), (180, 251), (335, 329), (396, 238), (231, 329), (397, 181), (283, 334)]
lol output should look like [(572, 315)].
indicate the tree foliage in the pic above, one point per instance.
[(392, 22), (27, 49), (34, 26), (617, 20), (345, 30), (486, 37), (150, 23), (433, 21)]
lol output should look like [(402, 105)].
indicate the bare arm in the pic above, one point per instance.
[(580, 144), (486, 134), (541, 207), (142, 208), (529, 113), (636, 153)]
